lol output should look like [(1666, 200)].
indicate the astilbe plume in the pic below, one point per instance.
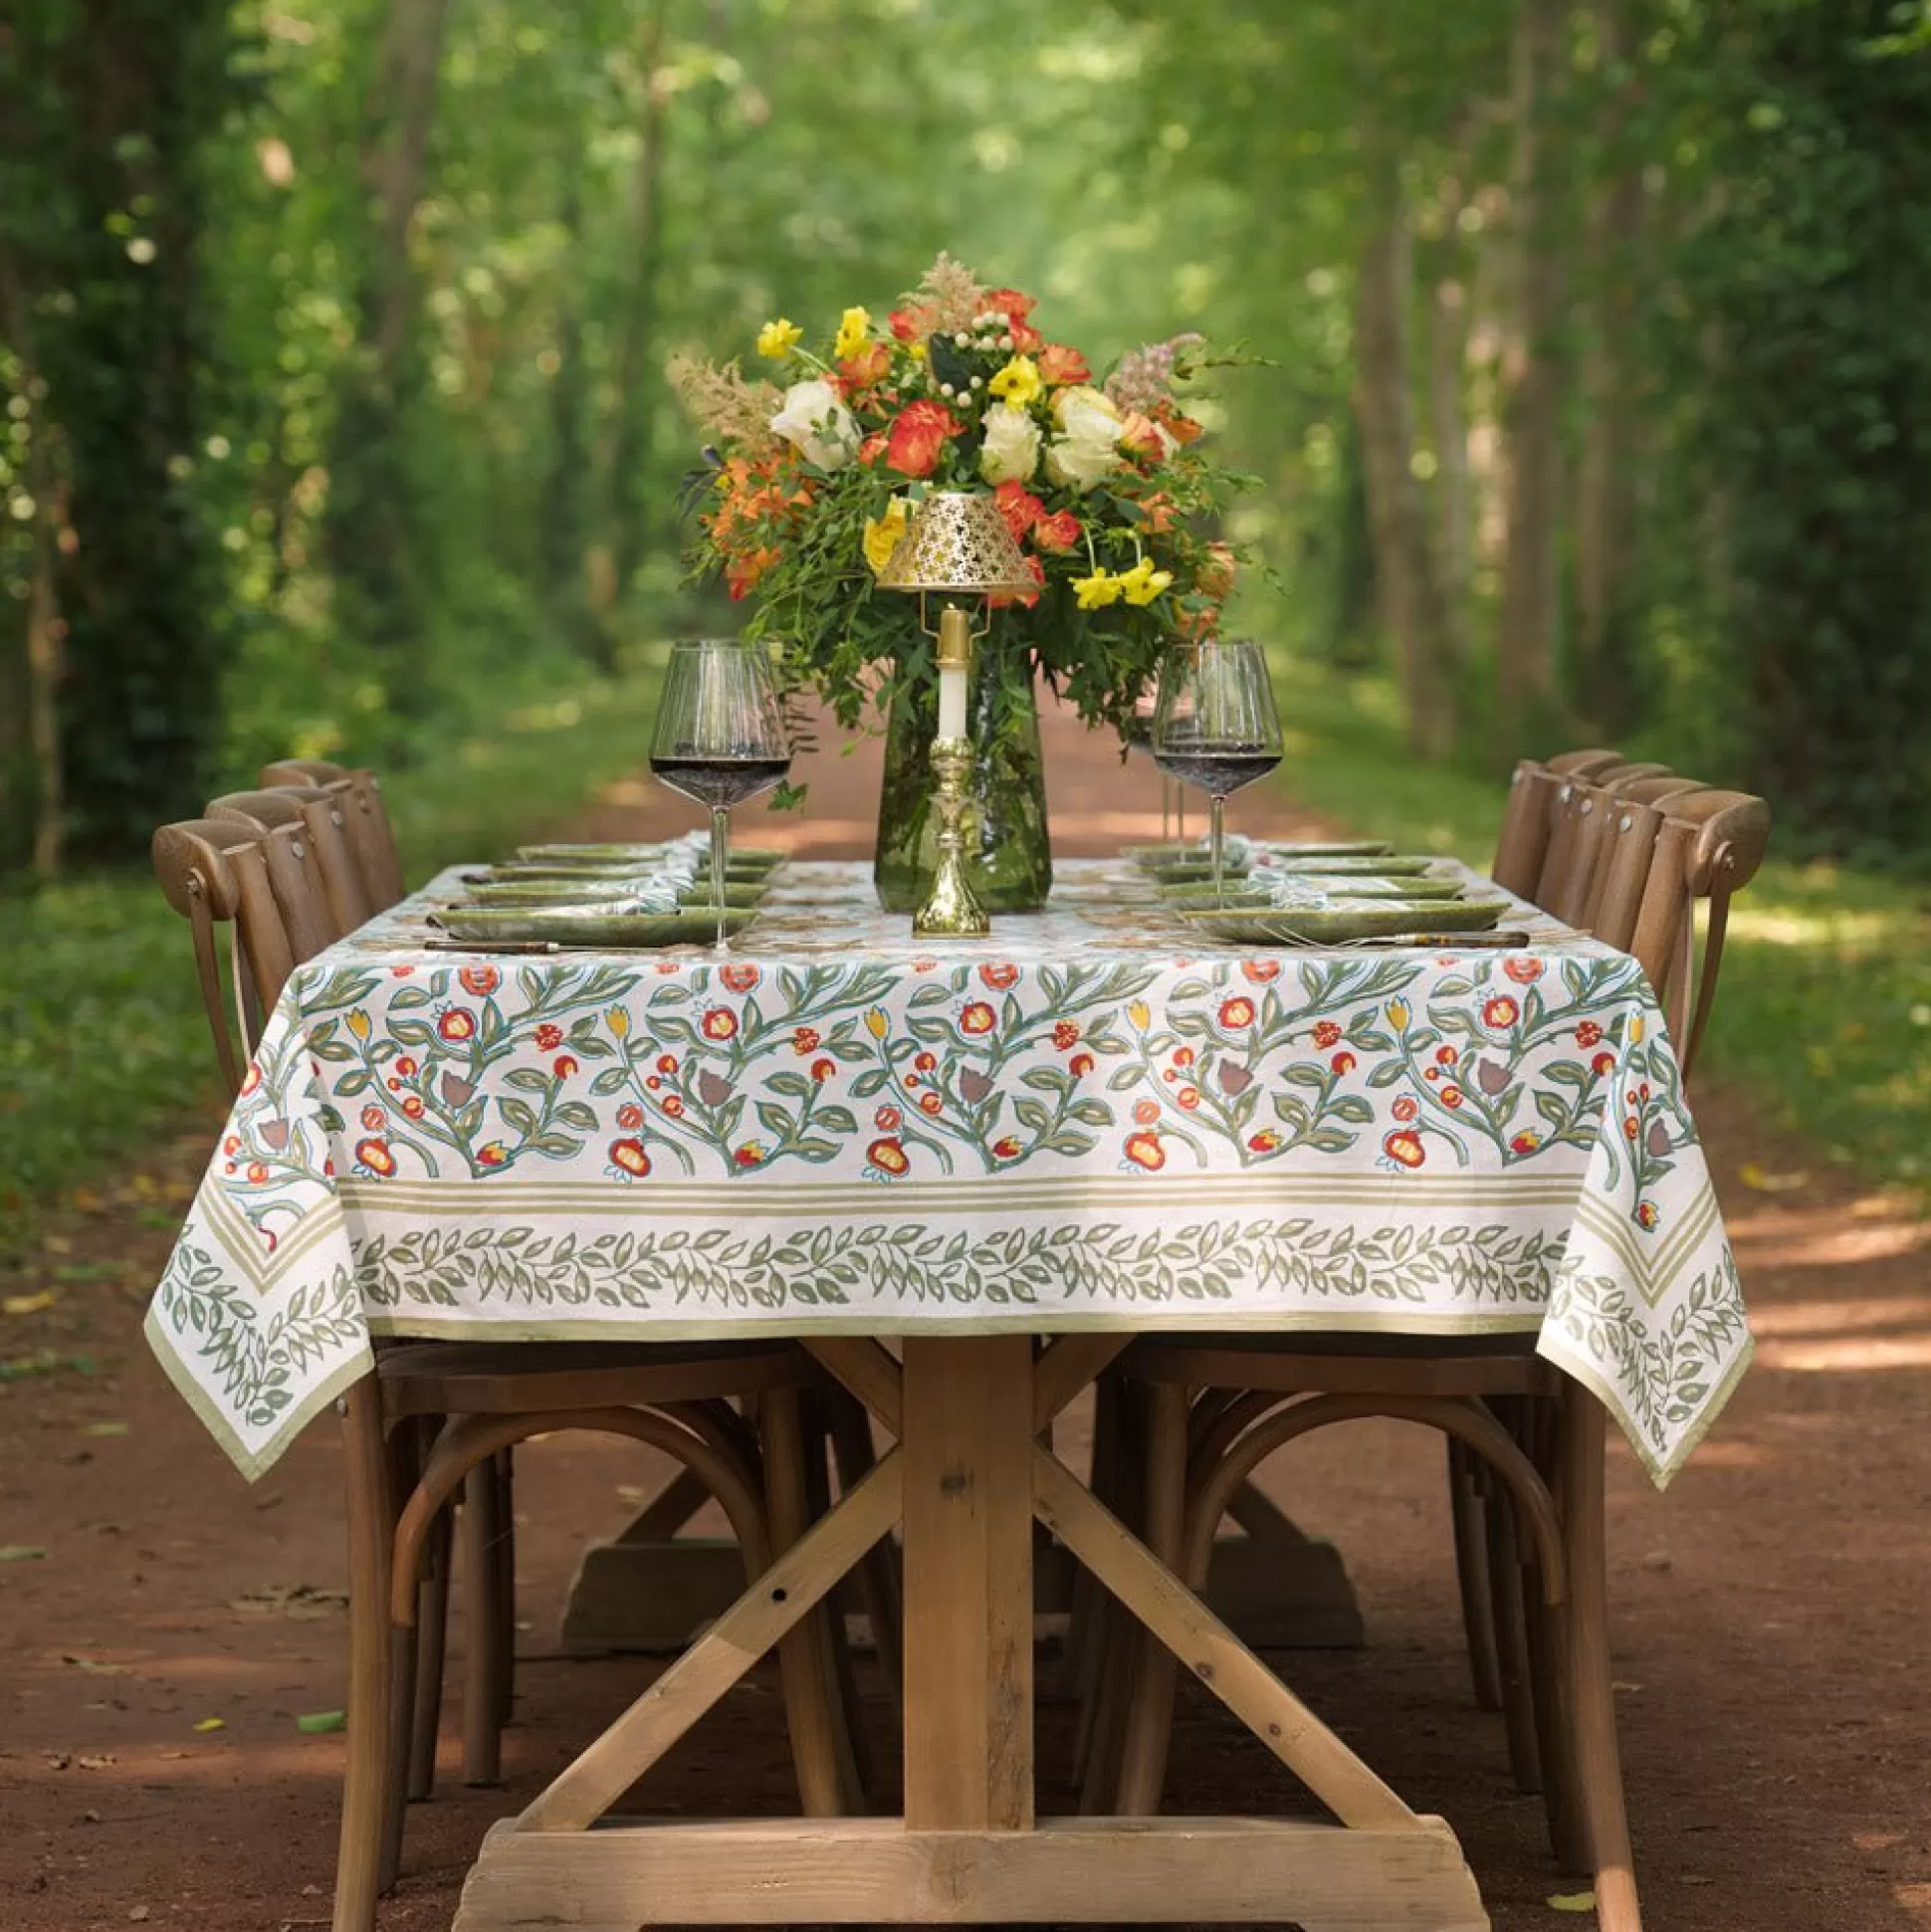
[(948, 295), (722, 402), (1145, 375)]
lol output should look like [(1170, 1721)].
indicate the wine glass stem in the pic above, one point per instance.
[(1166, 806), (1217, 821), (1180, 813), (719, 862)]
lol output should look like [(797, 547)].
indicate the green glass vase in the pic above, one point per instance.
[(1008, 849)]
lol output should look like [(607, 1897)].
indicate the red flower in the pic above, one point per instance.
[(1189, 1097), (918, 436), (1138, 434), (925, 1062), (404, 1066), (720, 1024), (373, 1119), (630, 1114), (1601, 1064), (1451, 1096), (1145, 1112), (630, 1157), (740, 979), (886, 1118), (413, 1105), (232, 1141), (258, 1172), (667, 1063), (1005, 1149), (999, 977), (1326, 1034), (1404, 1148), (870, 364), (805, 1039), (1015, 308), (480, 981), (1404, 1109), (1020, 506), (742, 573), (564, 1067), (1342, 1063), (1265, 1142), (1157, 513), (1446, 1056), (1029, 598), (1184, 1056), (652, 1082), (1057, 534), (1081, 1064), (977, 1018), (1632, 1126), (751, 1154), (888, 1157), (872, 448), (375, 1156), (1526, 1141), (492, 1156), (457, 1023), (930, 1102), (549, 1037), (1260, 971), (1237, 1011), (1522, 970), (1500, 1013), (1648, 1215), (1588, 1034), (823, 1069), (1066, 1034), (910, 325), (1063, 367), (673, 1106), (1144, 1151)]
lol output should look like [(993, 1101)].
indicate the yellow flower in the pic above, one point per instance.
[(1098, 591), (852, 328), (876, 1024), (618, 1021), (1017, 384), (1635, 1031), (882, 534), (359, 1024), (779, 338), (1398, 1014), (917, 351), (1142, 584), (1140, 1013)]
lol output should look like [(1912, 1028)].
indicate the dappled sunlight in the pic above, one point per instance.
[(1831, 926), (1793, 1320), (1853, 1354)]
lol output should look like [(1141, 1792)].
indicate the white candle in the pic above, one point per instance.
[(952, 700)]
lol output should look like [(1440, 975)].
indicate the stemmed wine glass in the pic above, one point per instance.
[(1140, 737), (721, 736), (1215, 724)]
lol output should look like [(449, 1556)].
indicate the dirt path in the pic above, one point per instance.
[(1771, 1612)]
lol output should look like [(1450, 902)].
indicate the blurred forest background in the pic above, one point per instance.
[(332, 337)]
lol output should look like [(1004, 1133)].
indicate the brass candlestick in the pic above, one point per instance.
[(952, 908)]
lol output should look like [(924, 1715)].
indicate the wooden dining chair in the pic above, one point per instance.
[(433, 1418), (1215, 1407), (357, 793), (1527, 818)]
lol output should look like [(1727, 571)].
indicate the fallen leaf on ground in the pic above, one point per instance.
[(1572, 1901), (629, 1492), (21, 1552), (97, 1761), (138, 1913), (299, 1600), (105, 1428), (29, 1304), (57, 1760), (316, 1722), (1623, 1683), (96, 1666), (211, 1724), (57, 1244), (1752, 1175)]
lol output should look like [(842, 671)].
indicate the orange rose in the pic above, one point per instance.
[(1020, 506), (1214, 578), (1015, 308), (911, 324), (1037, 572), (918, 435), (1063, 367), (1056, 534), (1139, 434), (870, 364), (1157, 513)]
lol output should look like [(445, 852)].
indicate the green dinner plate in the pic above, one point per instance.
[(1176, 853), (615, 870), (585, 926), (1338, 923), (742, 857), (1250, 892), (574, 892)]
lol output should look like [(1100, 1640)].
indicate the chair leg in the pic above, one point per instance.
[(1121, 1642), (371, 1527), (878, 1571), (1150, 1718), (503, 1463), (1470, 1512), (827, 1774), (482, 1627), (1548, 1632), (432, 1638), (1511, 1643), (831, 1619), (1581, 1453), (406, 1451), (1087, 1627)]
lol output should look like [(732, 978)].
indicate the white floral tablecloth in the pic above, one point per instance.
[(1089, 1120)]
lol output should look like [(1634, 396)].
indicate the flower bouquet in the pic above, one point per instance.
[(1102, 485)]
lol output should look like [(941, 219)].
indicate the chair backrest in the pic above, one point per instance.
[(319, 814), (359, 797), (1528, 816), (1709, 847)]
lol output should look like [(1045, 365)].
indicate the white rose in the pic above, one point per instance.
[(818, 424), (1011, 446), (1087, 416), (1079, 463)]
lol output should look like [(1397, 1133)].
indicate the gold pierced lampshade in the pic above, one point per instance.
[(958, 541)]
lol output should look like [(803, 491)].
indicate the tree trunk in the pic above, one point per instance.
[(44, 628), (637, 386), (1605, 482), (1445, 325), (1403, 567), (1526, 653)]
